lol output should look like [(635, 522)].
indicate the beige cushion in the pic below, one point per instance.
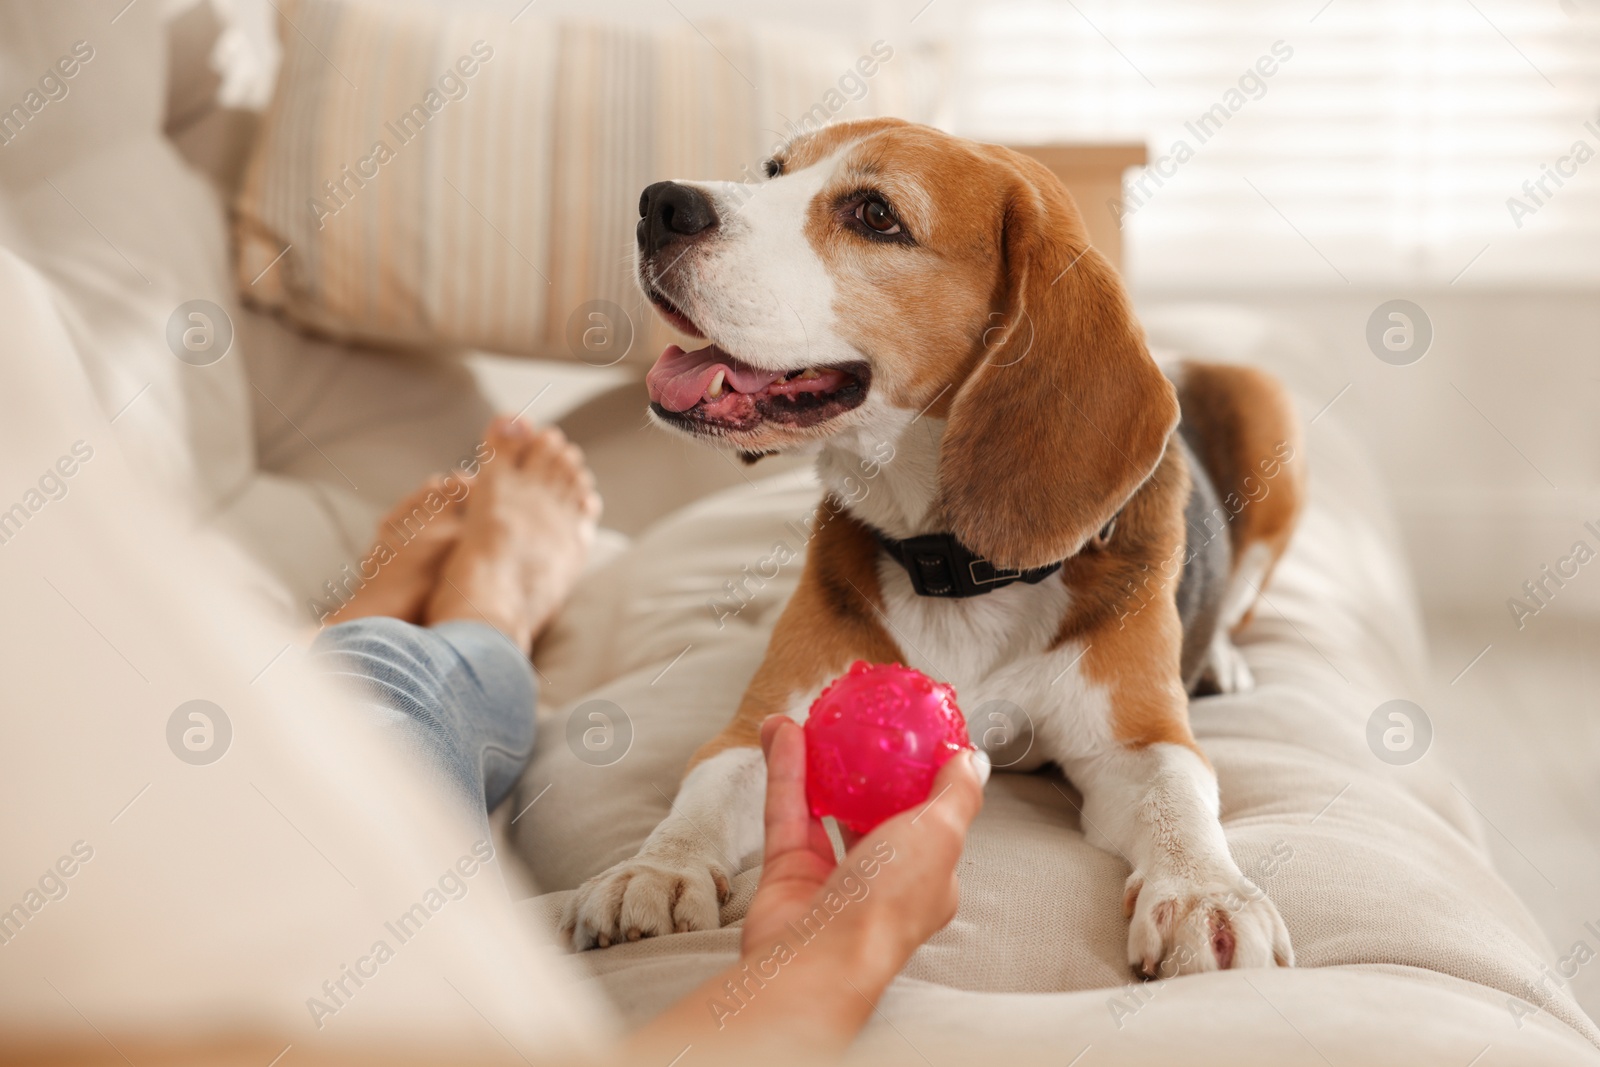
[(102, 206), (494, 169), (1380, 872)]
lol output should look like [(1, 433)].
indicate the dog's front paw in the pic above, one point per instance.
[(644, 897), (1185, 925)]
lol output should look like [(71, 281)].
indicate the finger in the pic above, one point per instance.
[(787, 819), (932, 834), (769, 730), (964, 774), (816, 835), (938, 827), (957, 793), (982, 765)]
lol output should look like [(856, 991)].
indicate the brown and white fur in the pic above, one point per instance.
[(993, 353)]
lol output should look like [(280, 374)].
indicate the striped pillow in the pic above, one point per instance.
[(433, 175)]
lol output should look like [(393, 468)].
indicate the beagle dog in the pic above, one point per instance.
[(1012, 505)]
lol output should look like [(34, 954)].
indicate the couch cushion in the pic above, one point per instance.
[(127, 235)]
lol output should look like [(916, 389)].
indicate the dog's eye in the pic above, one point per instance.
[(876, 216), (772, 168)]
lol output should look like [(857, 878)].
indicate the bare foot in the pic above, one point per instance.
[(408, 549), (529, 524)]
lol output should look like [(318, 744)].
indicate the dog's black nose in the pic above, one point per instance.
[(669, 212)]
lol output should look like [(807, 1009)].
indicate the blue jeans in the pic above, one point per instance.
[(459, 694)]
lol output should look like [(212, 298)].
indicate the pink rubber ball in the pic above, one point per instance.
[(875, 739)]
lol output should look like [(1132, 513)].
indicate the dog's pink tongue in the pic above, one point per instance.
[(679, 379)]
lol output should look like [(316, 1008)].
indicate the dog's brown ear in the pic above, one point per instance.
[(1064, 414)]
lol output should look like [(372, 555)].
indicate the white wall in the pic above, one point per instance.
[(1479, 518)]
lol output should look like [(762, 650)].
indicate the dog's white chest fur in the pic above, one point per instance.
[(995, 649)]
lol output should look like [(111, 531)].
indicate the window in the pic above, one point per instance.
[(1425, 142)]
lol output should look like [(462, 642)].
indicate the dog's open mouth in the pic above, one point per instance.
[(710, 389)]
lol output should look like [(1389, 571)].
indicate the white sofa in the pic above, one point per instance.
[(222, 497)]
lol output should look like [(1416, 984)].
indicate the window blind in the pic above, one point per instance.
[(1362, 142)]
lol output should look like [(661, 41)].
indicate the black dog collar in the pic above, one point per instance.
[(941, 566)]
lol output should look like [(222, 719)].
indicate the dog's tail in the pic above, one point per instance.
[(1241, 424)]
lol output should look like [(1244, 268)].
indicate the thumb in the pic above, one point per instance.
[(957, 793)]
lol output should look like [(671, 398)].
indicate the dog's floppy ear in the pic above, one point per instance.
[(1064, 414)]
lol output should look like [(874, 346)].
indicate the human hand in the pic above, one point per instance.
[(895, 888), (822, 940)]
